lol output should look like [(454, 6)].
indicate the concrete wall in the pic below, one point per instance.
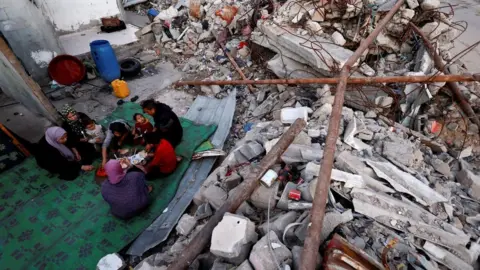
[(72, 15), (30, 35)]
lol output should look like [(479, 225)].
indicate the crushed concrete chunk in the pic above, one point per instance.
[(232, 238), (469, 180), (111, 262), (261, 257), (262, 194), (216, 196), (186, 224), (403, 152), (279, 223)]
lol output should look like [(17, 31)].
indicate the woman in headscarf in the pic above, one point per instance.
[(125, 192), (55, 156), (77, 139), (167, 124)]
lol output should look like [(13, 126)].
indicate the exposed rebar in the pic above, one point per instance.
[(312, 242), (351, 80)]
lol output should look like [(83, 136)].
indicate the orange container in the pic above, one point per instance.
[(120, 88)]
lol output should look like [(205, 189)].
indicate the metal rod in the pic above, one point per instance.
[(350, 80), (454, 89), (237, 68), (312, 242), (200, 241)]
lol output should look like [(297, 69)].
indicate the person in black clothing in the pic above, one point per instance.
[(53, 155), (167, 125), (77, 139)]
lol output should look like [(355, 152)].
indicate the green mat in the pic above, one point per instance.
[(47, 223)]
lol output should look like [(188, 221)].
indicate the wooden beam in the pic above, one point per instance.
[(15, 141)]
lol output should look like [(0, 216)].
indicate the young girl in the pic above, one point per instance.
[(142, 126), (95, 133)]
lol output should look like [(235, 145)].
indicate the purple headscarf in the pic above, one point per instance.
[(114, 171), (52, 135)]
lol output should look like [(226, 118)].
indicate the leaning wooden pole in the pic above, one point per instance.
[(200, 241), (453, 86), (350, 80), (312, 242)]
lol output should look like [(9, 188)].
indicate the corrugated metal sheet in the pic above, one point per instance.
[(206, 111)]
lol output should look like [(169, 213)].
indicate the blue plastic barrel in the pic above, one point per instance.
[(105, 60)]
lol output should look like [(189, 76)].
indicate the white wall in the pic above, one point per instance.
[(71, 15)]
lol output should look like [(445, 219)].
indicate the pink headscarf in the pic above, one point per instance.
[(114, 171), (52, 135)]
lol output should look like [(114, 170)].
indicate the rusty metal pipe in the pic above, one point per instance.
[(200, 241), (237, 68), (453, 86), (350, 80), (312, 242)]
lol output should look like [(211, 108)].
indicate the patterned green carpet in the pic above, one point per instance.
[(47, 223)]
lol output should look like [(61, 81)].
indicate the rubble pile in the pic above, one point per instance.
[(314, 39), (393, 191), (405, 196)]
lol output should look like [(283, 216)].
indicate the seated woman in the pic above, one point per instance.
[(164, 160), (125, 192), (77, 139), (118, 134), (167, 124), (54, 156)]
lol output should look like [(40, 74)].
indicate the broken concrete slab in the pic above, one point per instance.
[(232, 238), (279, 223), (407, 183), (283, 201), (283, 41), (404, 152), (332, 220), (441, 167), (261, 256), (186, 224), (231, 181), (286, 67), (262, 194), (469, 180), (445, 257), (301, 153), (407, 217), (216, 196), (203, 211)]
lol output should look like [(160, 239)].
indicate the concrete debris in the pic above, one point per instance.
[(232, 238), (399, 159), (186, 224), (263, 251), (262, 195), (471, 181), (215, 196), (203, 211), (111, 262), (406, 183)]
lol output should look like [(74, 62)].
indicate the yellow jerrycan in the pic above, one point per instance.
[(120, 88)]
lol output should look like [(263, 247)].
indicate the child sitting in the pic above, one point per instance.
[(94, 132), (142, 126)]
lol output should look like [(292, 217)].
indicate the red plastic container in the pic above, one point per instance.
[(66, 69)]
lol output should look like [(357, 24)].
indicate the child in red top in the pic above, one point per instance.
[(142, 126), (164, 159)]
